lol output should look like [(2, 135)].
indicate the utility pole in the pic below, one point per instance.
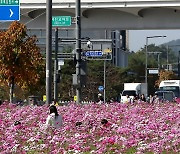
[(179, 64), (167, 67), (78, 50), (146, 66), (105, 72), (56, 66), (146, 52), (48, 51), (158, 54), (104, 81)]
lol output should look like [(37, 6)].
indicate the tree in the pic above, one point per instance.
[(137, 64), (20, 58), (165, 75)]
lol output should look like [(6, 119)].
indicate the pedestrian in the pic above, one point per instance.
[(151, 99), (128, 99), (156, 99), (142, 98), (54, 119), (100, 98)]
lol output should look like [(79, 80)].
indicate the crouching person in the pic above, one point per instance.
[(54, 119)]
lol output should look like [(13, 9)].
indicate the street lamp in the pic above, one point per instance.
[(146, 73)]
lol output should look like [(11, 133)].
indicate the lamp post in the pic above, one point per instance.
[(146, 73), (78, 50)]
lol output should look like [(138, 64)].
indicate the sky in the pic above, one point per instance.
[(137, 38)]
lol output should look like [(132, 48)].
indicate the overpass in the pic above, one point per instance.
[(108, 14)]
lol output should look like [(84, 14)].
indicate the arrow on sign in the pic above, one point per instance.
[(17, 2), (11, 13)]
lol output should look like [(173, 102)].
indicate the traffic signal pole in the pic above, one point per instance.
[(48, 51), (78, 51)]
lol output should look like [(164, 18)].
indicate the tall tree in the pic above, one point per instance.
[(20, 58)]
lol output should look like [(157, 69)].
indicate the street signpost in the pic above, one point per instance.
[(9, 10), (153, 71), (61, 21), (100, 88), (88, 56), (94, 53)]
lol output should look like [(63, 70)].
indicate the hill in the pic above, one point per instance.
[(174, 45)]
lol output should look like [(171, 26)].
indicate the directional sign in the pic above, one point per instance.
[(9, 10), (155, 71), (61, 21), (103, 57), (100, 88), (94, 53)]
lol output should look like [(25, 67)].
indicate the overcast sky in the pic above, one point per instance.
[(137, 38)]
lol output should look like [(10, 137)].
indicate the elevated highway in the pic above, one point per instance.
[(108, 14)]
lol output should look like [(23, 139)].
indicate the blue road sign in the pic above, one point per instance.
[(9, 11), (100, 88), (94, 53)]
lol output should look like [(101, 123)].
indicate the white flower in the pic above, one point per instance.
[(14, 148)]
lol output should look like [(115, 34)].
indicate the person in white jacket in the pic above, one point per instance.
[(54, 119)]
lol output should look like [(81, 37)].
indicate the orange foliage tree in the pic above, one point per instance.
[(20, 58), (165, 75)]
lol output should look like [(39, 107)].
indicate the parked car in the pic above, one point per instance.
[(165, 95)]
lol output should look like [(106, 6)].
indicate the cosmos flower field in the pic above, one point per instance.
[(139, 128)]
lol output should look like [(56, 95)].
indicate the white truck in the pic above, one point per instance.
[(133, 90), (170, 85)]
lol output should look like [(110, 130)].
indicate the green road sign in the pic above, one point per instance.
[(61, 20), (9, 2)]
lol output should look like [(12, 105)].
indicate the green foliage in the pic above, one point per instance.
[(95, 78), (115, 76), (131, 150), (137, 64), (66, 91)]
